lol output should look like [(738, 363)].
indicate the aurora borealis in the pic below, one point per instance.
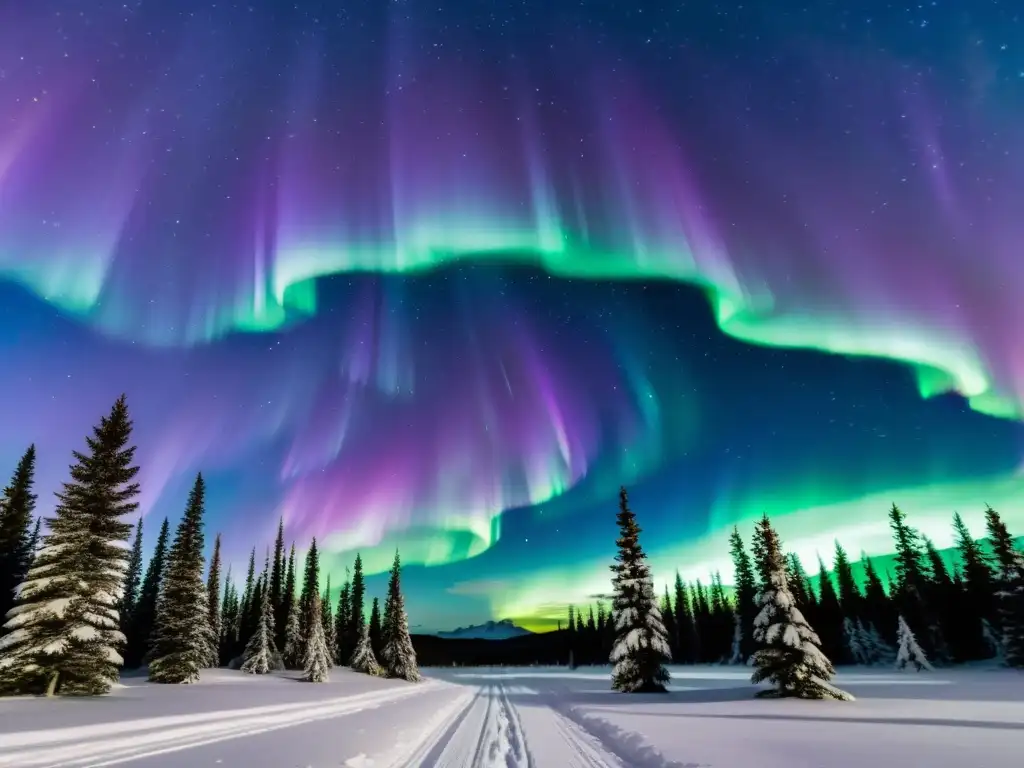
[(441, 276)]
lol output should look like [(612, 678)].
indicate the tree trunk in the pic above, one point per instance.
[(51, 689)]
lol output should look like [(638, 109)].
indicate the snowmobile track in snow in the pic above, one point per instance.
[(492, 730)]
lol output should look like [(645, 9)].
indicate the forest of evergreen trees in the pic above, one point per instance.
[(79, 607), (971, 612)]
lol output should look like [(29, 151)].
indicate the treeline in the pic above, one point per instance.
[(79, 605), (970, 612)]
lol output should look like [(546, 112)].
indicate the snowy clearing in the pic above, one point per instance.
[(519, 718)]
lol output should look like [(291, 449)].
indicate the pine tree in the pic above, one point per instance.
[(142, 620), (878, 608), (64, 634), (947, 616), (182, 637), (746, 596), (683, 648), (977, 605), (829, 614), (850, 598), (309, 596), (343, 619), (17, 509), (909, 653), (1010, 585), (317, 660), (327, 620), (789, 655), (132, 582), (277, 578), (33, 542), (250, 607), (879, 650), (228, 617), (853, 635), (260, 651), (910, 588), (641, 646), (799, 583), (287, 600), (358, 599), (399, 656), (375, 643), (363, 658), (292, 654), (213, 603)]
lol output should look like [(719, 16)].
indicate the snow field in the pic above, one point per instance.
[(528, 718)]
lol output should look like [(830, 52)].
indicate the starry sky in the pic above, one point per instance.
[(442, 275)]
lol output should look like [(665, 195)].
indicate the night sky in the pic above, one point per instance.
[(443, 275)]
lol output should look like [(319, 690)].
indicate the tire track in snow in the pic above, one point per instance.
[(564, 742), (123, 748)]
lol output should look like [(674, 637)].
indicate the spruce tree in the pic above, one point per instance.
[(878, 608), (850, 598), (910, 588), (17, 510), (250, 605), (789, 654), (287, 600), (141, 622), (853, 636), (641, 647), (64, 629), (228, 616), (309, 596), (213, 603), (1010, 588), (292, 654), (682, 649), (909, 653), (375, 643), (317, 660), (277, 578), (182, 637), (260, 650), (33, 542), (132, 582), (357, 616), (363, 658), (399, 656), (829, 614), (746, 595), (343, 619), (327, 620), (979, 590)]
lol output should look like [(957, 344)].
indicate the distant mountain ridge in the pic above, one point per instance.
[(491, 630)]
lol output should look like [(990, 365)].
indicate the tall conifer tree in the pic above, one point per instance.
[(746, 593), (641, 647), (64, 631), (17, 510), (213, 603), (132, 582), (142, 620), (399, 656), (182, 637)]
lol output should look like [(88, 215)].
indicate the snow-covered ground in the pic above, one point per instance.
[(512, 718)]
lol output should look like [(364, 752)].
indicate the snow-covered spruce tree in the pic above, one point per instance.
[(327, 619), (641, 646), (909, 654), (789, 655), (399, 655), (260, 650), (64, 634), (363, 659), (853, 637), (17, 508), (319, 659), (182, 637), (292, 652)]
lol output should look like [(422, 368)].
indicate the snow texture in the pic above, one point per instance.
[(513, 718)]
